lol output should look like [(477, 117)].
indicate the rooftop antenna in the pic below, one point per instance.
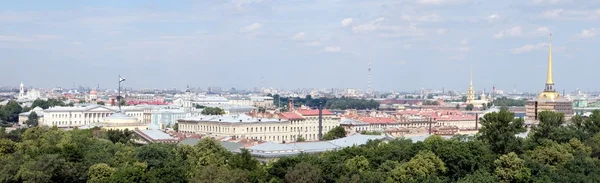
[(369, 70)]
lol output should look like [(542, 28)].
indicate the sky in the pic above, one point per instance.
[(412, 44)]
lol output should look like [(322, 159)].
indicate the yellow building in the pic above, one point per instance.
[(471, 96), (549, 99)]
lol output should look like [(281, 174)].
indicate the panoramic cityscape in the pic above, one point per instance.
[(275, 91)]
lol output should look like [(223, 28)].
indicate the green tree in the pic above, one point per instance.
[(423, 166), (304, 173), (176, 127), (335, 133), (457, 106), (123, 102), (100, 173), (244, 161), (32, 119), (12, 110), (469, 107), (499, 129), (300, 139), (129, 173), (511, 168), (213, 111), (551, 126), (357, 164), (479, 177), (100, 103)]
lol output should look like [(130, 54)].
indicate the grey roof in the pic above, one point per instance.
[(272, 146), (352, 122), (357, 139), (271, 149), (156, 134)]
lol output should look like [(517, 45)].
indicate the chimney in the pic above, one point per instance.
[(291, 104), (320, 121), (477, 122)]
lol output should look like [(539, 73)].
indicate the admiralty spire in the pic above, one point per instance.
[(549, 99)]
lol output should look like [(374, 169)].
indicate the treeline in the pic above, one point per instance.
[(342, 103), (552, 152), (504, 101)]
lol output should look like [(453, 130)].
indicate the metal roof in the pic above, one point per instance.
[(156, 135)]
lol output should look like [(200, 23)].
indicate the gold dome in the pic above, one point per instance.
[(549, 95)]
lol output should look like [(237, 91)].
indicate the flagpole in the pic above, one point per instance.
[(119, 95)]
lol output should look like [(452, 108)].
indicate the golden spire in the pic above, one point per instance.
[(549, 79), (471, 76)]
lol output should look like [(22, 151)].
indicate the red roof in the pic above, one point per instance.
[(375, 120), (313, 112), (290, 115)]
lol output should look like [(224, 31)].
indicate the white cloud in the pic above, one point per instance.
[(541, 2), (492, 18), (407, 46), (313, 43), (400, 62), (250, 28), (40, 37), (441, 2), (513, 32), (588, 33), (458, 57), (299, 36), (571, 14), (425, 18), (441, 31), (346, 22), (464, 42), (332, 49), (528, 48), (372, 26), (14, 39), (542, 31)]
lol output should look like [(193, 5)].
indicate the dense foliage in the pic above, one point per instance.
[(553, 152), (509, 102), (212, 111)]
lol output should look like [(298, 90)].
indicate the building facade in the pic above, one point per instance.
[(84, 115), (285, 127)]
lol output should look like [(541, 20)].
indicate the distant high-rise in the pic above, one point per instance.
[(549, 99)]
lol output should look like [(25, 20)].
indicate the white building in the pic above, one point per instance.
[(83, 115), (31, 95), (284, 127)]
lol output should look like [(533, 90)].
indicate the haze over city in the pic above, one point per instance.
[(300, 44)]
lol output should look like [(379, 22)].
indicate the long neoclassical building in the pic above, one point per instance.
[(90, 114), (285, 127)]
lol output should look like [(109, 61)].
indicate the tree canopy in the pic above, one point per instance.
[(212, 111)]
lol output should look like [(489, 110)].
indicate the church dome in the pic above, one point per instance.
[(93, 92)]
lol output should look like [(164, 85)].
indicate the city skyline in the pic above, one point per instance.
[(301, 44)]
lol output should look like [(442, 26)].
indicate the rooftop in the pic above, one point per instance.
[(237, 118), (313, 112), (155, 135), (271, 149)]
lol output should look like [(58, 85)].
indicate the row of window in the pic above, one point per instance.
[(217, 129)]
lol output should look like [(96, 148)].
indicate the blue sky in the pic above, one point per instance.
[(292, 44)]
